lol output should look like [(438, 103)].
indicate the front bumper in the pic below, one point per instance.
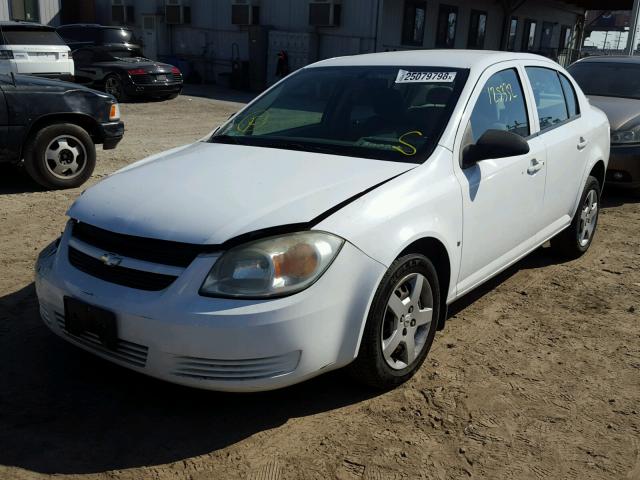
[(220, 344), (153, 89), (624, 166), (110, 134)]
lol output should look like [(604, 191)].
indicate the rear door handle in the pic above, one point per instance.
[(582, 144), (534, 167)]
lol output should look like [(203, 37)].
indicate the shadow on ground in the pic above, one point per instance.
[(64, 411), (15, 180)]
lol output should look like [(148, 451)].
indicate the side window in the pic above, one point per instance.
[(550, 102), (501, 106), (570, 96)]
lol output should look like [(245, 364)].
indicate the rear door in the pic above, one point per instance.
[(37, 50), (502, 197), (563, 132)]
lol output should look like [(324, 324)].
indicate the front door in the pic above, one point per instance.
[(149, 37), (503, 197)]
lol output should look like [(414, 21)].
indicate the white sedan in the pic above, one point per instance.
[(330, 222)]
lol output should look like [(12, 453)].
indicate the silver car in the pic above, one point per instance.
[(612, 84)]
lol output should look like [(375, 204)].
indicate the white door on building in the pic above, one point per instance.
[(150, 36)]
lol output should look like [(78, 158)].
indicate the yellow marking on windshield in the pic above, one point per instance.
[(412, 150), (259, 119)]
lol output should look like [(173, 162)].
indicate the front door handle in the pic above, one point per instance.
[(534, 167), (582, 144)]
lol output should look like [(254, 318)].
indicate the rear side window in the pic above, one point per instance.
[(75, 34), (501, 106), (570, 96), (549, 96), (31, 36)]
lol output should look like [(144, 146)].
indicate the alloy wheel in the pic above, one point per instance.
[(407, 321), (588, 218), (65, 157)]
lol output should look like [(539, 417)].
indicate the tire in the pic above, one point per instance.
[(60, 156), (379, 364), (113, 86), (575, 240)]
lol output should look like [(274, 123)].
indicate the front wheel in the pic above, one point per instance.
[(574, 241), (60, 156), (401, 325)]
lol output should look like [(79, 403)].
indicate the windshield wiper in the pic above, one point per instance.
[(228, 139)]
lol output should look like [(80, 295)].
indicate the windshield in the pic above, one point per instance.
[(387, 113), (31, 36), (608, 79)]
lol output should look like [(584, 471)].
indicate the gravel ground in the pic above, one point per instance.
[(537, 375)]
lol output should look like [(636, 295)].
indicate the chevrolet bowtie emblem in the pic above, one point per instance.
[(111, 260)]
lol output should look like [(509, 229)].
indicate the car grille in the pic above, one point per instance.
[(236, 370), (148, 249), (131, 353), (152, 78), (127, 277)]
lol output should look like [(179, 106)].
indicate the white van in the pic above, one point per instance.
[(34, 49)]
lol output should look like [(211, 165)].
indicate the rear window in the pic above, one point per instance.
[(608, 79), (31, 36), (117, 35)]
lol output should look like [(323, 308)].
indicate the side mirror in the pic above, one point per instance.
[(494, 144)]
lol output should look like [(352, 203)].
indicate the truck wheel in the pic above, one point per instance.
[(60, 156), (575, 240), (401, 325)]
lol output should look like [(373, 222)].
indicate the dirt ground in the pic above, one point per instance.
[(537, 375)]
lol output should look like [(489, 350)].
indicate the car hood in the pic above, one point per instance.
[(210, 193), (623, 113)]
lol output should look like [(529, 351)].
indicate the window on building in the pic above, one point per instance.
[(477, 29), (529, 37), (501, 106), (415, 16), (565, 37), (513, 34), (447, 23), (549, 96), (546, 37), (26, 10)]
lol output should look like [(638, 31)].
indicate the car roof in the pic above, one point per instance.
[(609, 59), (93, 25), (475, 59)]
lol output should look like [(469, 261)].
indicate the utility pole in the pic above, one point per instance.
[(633, 29)]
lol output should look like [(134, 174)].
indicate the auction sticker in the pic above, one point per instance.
[(405, 76)]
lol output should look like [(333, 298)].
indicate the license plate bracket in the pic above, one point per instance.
[(161, 78), (81, 317)]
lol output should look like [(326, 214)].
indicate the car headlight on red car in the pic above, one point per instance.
[(273, 267)]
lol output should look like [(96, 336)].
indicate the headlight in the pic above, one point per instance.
[(272, 267), (626, 136)]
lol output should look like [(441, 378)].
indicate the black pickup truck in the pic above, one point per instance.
[(53, 128)]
